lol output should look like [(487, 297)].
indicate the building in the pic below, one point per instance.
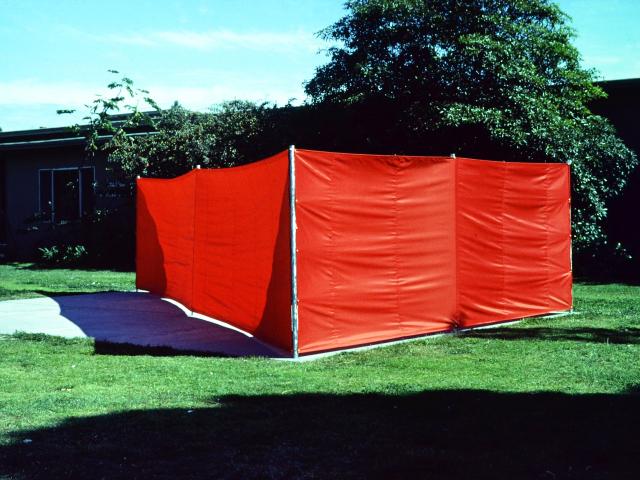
[(621, 107), (47, 188)]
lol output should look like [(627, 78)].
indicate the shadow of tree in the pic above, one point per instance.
[(130, 349), (585, 334), (433, 434)]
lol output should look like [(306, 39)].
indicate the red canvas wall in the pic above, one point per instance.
[(388, 247), (164, 237), (393, 246), (218, 242), (375, 248), (513, 240)]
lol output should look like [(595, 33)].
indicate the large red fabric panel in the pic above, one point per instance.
[(218, 242), (559, 238), (242, 248), (164, 237), (388, 247), (480, 242), (513, 230), (375, 248)]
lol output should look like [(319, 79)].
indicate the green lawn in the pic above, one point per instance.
[(544, 398), (25, 280)]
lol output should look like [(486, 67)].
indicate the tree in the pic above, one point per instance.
[(233, 133), (491, 77), (107, 127), (109, 121)]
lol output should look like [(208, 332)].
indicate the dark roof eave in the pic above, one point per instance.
[(58, 142), (56, 133), (35, 144)]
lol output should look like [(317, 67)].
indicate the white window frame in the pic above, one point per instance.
[(53, 206)]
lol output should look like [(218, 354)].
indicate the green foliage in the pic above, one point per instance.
[(498, 78), (110, 125), (101, 128), (63, 255), (234, 133)]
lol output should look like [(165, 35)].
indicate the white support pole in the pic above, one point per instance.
[(294, 251), (569, 162), (137, 289)]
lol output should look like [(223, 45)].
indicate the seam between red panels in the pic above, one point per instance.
[(330, 250), (193, 239), (568, 183), (503, 244), (547, 184), (396, 260), (458, 311)]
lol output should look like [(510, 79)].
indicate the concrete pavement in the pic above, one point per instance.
[(128, 317)]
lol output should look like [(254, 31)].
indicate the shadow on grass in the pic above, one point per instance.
[(433, 434), (110, 348), (129, 349), (592, 335), (136, 323)]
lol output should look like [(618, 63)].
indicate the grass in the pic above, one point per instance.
[(27, 280), (543, 398)]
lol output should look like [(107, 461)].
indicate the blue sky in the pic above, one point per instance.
[(55, 54)]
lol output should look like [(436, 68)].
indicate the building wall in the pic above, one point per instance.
[(621, 108), (3, 198), (24, 233)]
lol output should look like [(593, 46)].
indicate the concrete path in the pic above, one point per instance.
[(122, 317)]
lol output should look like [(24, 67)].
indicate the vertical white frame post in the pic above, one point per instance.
[(569, 162), (294, 250), (138, 177)]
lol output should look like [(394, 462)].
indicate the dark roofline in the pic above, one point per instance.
[(39, 133), (624, 82), (58, 142), (620, 88), (59, 136), (621, 94)]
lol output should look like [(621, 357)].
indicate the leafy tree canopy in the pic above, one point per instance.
[(233, 133), (503, 74), (101, 130)]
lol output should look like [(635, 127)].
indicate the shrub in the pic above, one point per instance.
[(63, 255)]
